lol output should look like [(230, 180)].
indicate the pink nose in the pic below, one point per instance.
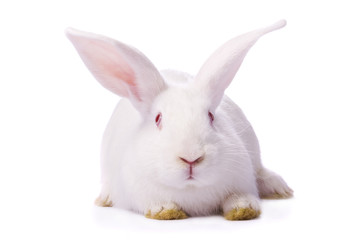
[(191, 162)]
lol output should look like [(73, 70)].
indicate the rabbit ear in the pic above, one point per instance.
[(220, 68), (119, 68)]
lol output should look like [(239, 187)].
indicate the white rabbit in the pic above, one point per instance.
[(176, 146)]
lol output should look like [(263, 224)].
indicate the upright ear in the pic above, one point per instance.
[(119, 68), (220, 68)]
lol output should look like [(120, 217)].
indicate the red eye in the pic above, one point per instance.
[(158, 119), (211, 116)]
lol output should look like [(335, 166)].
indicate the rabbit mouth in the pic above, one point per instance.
[(191, 173), (191, 166), (190, 178)]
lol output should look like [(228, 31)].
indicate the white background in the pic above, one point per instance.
[(298, 86)]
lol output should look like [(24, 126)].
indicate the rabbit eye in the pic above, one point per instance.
[(211, 117), (158, 119)]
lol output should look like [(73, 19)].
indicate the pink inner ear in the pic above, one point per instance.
[(110, 68)]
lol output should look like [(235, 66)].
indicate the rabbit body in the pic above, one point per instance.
[(175, 144), (130, 177)]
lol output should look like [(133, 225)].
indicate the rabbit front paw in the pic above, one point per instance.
[(103, 201), (242, 214), (241, 207), (168, 211)]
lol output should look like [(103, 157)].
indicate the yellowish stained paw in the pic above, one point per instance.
[(167, 214), (285, 195), (242, 214), (101, 202)]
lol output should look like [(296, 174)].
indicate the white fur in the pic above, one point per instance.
[(140, 162)]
